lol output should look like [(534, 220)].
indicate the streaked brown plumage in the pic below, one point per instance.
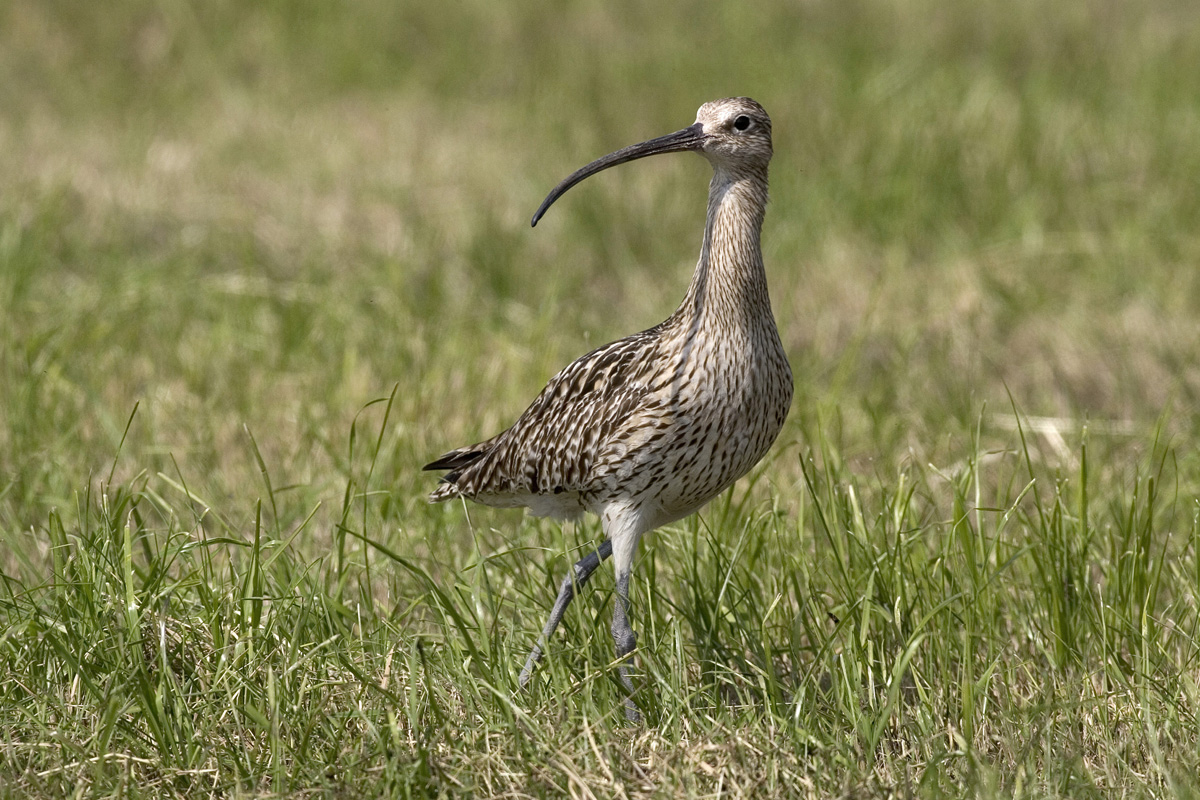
[(647, 429)]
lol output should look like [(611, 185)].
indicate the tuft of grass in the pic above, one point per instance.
[(927, 630)]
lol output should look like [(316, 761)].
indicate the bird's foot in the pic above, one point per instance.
[(632, 715), (535, 655)]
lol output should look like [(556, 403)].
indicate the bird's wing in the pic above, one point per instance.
[(553, 446)]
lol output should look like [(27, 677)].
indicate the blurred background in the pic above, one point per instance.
[(265, 215), (229, 228)]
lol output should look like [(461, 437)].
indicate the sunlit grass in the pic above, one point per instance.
[(259, 263)]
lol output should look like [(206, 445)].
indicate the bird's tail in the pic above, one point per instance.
[(456, 461)]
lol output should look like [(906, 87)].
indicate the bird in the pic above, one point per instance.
[(645, 430)]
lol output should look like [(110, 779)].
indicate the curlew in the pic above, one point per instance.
[(646, 430)]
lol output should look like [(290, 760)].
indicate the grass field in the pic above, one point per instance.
[(261, 261)]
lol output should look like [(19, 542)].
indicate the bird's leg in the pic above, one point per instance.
[(626, 641), (579, 575)]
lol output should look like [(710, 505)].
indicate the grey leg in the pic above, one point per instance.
[(580, 573), (626, 641)]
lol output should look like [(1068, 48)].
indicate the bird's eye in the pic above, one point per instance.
[(741, 123)]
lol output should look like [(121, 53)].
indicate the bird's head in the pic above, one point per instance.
[(735, 133)]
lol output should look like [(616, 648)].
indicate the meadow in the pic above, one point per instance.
[(259, 262)]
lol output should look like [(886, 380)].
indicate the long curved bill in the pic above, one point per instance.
[(690, 138)]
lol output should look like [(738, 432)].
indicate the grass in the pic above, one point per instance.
[(259, 262)]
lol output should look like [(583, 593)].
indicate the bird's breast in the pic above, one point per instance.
[(718, 404)]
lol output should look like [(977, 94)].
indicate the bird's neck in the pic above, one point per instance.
[(730, 283)]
